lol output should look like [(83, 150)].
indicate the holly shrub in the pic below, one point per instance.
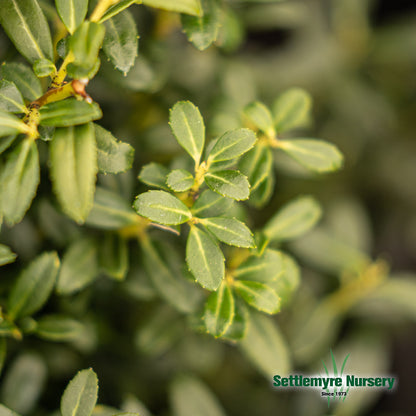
[(156, 214)]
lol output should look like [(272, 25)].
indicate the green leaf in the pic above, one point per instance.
[(80, 396), (219, 310), (6, 142), (9, 329), (62, 47), (44, 68), (113, 256), (72, 12), (24, 383), (79, 267), (265, 268), (192, 7), (294, 219), (239, 326), (27, 325), (4, 411), (159, 332), (34, 286), (26, 26), (3, 353), (55, 226), (262, 194), (103, 410), (145, 76), (317, 330), (292, 110), (229, 183), (24, 79), (85, 44), (232, 31), (166, 276), (180, 180), (203, 30), (11, 99), (20, 179), (257, 165), (138, 285), (162, 208), (73, 155), (121, 41), (133, 404), (259, 116), (316, 155), (127, 414), (6, 255), (188, 127), (395, 296), (70, 112), (113, 156), (211, 204), (266, 347), (11, 125), (229, 231), (289, 281), (58, 328), (110, 211), (154, 174), (232, 144), (327, 252), (118, 8), (262, 243), (204, 259), (190, 397), (258, 295)]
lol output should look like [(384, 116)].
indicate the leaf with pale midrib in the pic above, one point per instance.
[(121, 41), (205, 259), (80, 396), (162, 208), (74, 169), (72, 12), (188, 128), (27, 27), (219, 310)]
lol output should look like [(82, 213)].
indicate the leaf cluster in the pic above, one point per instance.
[(187, 243), (237, 270)]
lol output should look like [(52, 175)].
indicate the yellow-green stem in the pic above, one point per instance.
[(271, 141), (54, 94), (229, 278), (59, 78), (237, 257), (101, 8), (137, 230), (353, 291), (200, 171), (32, 118)]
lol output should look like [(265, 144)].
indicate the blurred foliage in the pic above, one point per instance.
[(356, 289)]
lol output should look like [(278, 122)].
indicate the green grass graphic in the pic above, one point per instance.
[(335, 374)]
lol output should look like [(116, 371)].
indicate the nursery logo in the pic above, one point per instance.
[(334, 385)]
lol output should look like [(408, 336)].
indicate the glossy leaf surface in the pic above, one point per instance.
[(188, 127), (162, 208), (74, 169), (34, 285), (229, 183), (205, 259), (27, 27)]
